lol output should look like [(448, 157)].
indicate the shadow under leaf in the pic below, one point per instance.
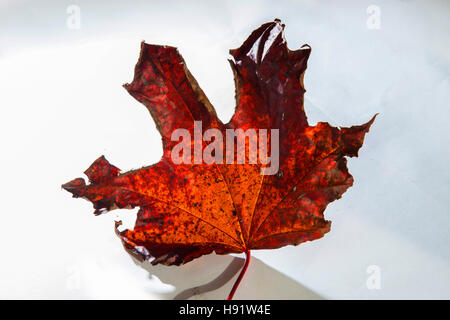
[(218, 273)]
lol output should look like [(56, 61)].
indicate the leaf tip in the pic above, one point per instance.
[(101, 171), (353, 137), (75, 187)]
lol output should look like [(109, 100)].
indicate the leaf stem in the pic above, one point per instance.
[(241, 275)]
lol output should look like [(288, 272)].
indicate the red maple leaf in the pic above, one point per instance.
[(191, 209)]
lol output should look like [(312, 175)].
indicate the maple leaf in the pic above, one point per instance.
[(189, 210)]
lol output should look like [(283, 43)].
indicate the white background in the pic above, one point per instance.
[(62, 106)]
